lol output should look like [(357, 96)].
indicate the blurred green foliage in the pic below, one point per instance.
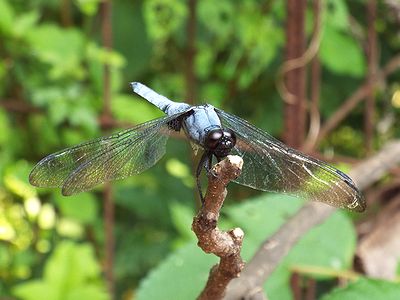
[(51, 96)]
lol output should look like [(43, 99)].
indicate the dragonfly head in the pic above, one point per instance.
[(220, 141)]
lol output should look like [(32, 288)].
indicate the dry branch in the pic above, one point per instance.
[(226, 245), (275, 248)]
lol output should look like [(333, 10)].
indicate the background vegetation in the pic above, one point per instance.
[(51, 96)]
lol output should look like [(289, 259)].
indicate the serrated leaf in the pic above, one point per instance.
[(371, 289)]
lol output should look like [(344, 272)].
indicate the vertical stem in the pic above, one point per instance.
[(106, 32), (66, 19), (109, 238), (294, 113), (315, 86), (311, 290), (369, 110), (295, 286), (190, 76)]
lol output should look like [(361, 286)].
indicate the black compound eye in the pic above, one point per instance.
[(230, 135), (213, 138)]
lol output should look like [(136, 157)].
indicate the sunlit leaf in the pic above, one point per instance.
[(336, 14), (6, 16), (36, 289), (371, 289), (341, 54), (68, 275), (25, 22), (16, 179), (88, 7), (60, 48)]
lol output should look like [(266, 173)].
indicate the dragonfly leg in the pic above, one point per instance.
[(208, 166), (205, 161)]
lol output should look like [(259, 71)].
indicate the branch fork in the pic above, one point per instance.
[(224, 244)]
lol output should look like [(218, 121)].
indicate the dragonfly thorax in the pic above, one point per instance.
[(220, 141)]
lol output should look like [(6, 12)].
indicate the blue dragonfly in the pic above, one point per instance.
[(269, 165)]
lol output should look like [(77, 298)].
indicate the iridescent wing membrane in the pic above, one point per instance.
[(120, 155), (269, 165)]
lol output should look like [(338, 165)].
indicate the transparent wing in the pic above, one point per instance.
[(269, 165), (120, 155)]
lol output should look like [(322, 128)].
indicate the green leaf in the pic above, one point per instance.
[(336, 14), (364, 288), (25, 22), (88, 7), (182, 217), (82, 207), (130, 108), (36, 289), (320, 246), (90, 292), (181, 276), (259, 218), (71, 265), (16, 179), (4, 128), (164, 17), (61, 48), (6, 17), (341, 54), (70, 270), (217, 17), (262, 216)]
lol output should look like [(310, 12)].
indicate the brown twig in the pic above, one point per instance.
[(18, 106), (276, 247), (105, 121), (226, 245), (292, 75)]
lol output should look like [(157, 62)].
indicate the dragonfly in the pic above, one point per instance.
[(268, 164)]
